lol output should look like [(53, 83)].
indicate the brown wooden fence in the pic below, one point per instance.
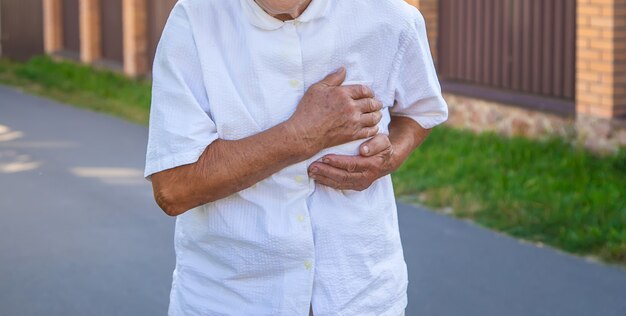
[(71, 30), (21, 28), (158, 12), (519, 45), (112, 28)]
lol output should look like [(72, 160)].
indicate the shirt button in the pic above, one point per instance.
[(301, 218), (296, 22), (299, 179), (294, 83), (308, 265)]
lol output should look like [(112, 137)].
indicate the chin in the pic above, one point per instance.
[(280, 6)]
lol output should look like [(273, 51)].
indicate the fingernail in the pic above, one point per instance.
[(366, 149), (325, 160), (314, 170)]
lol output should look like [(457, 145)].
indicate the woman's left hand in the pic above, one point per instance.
[(355, 172)]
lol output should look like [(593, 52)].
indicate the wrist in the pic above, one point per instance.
[(394, 161), (399, 154), (303, 145)]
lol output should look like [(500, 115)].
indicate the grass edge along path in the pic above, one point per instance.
[(542, 191), (81, 86)]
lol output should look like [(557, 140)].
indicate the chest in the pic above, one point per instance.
[(255, 79)]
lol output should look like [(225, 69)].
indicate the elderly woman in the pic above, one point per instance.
[(274, 127)]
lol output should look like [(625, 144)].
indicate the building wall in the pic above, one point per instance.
[(601, 64)]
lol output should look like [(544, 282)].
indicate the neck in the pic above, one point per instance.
[(292, 16)]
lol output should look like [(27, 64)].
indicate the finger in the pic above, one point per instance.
[(329, 171), (330, 183), (348, 163), (371, 119), (359, 91), (366, 132), (335, 79), (369, 105), (340, 178), (375, 145)]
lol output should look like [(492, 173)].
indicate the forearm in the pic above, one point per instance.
[(227, 167), (405, 136), (328, 114)]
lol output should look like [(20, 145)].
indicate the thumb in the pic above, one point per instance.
[(375, 145), (336, 78)]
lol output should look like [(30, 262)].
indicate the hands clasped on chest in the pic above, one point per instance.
[(329, 114)]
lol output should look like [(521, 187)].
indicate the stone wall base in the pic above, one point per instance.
[(597, 134)]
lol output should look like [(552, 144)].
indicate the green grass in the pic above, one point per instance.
[(543, 191), (82, 86)]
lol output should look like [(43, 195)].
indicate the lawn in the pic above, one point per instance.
[(545, 191), (542, 191)]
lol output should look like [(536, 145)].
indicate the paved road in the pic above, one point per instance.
[(80, 234)]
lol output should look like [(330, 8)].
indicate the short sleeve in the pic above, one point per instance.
[(180, 124), (417, 89)]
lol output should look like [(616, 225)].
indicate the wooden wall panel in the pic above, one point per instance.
[(158, 12), (521, 45), (112, 30), (71, 25), (22, 28)]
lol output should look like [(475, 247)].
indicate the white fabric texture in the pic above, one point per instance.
[(227, 70)]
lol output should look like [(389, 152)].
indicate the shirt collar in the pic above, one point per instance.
[(259, 18)]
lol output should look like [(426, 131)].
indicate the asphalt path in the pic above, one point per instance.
[(81, 235)]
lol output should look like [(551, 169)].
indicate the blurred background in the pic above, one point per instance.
[(517, 206)]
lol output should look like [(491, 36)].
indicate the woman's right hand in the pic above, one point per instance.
[(330, 114)]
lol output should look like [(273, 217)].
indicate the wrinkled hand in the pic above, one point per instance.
[(355, 172), (330, 114)]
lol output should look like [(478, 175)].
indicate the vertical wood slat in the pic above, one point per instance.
[(479, 37), (453, 38), (570, 46), (71, 25), (444, 64), (448, 43), (496, 53), (516, 75), (488, 38), (557, 52), (538, 31), (527, 45), (506, 44), (548, 40), (112, 30), (462, 36), (469, 40)]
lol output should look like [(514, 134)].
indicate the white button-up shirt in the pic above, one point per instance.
[(228, 70)]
